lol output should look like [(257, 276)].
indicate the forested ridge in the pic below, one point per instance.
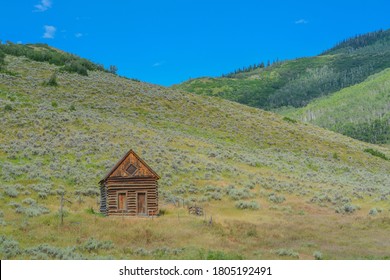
[(285, 86)]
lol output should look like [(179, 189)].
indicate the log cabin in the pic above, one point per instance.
[(130, 188)]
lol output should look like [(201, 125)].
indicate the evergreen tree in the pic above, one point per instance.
[(113, 69), (2, 58)]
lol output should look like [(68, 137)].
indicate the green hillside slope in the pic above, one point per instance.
[(296, 82), (361, 111), (270, 187)]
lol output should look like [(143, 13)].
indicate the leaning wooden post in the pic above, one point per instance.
[(61, 208), (62, 200)]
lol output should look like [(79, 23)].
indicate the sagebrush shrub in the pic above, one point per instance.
[(9, 247), (317, 255), (237, 194), (45, 251), (253, 205), (346, 209), (94, 245), (11, 191), (287, 252), (276, 198)]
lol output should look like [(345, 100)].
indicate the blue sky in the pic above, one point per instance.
[(170, 41)]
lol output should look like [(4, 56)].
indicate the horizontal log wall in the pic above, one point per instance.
[(103, 200), (131, 188)]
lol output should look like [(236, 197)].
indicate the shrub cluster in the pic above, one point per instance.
[(52, 82), (252, 205), (213, 192), (32, 210), (237, 194), (94, 245), (374, 211), (9, 248), (159, 252), (45, 252), (346, 209), (317, 255), (11, 191), (287, 252), (276, 198)]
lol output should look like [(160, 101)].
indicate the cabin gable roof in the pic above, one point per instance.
[(131, 166)]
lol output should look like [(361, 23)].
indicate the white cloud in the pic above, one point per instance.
[(78, 35), (50, 31), (157, 64), (43, 6), (301, 21)]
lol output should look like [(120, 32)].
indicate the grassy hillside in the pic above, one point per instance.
[(43, 53), (271, 188), (297, 82), (361, 111)]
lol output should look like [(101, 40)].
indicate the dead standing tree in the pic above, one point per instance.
[(62, 201)]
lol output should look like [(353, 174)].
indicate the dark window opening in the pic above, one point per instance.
[(131, 169)]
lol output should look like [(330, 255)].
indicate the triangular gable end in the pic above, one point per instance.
[(131, 166)]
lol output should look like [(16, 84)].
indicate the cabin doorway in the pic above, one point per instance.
[(141, 203), (121, 201)]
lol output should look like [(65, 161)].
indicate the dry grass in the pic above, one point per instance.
[(297, 226)]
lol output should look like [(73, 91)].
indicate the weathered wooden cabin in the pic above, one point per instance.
[(130, 188)]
